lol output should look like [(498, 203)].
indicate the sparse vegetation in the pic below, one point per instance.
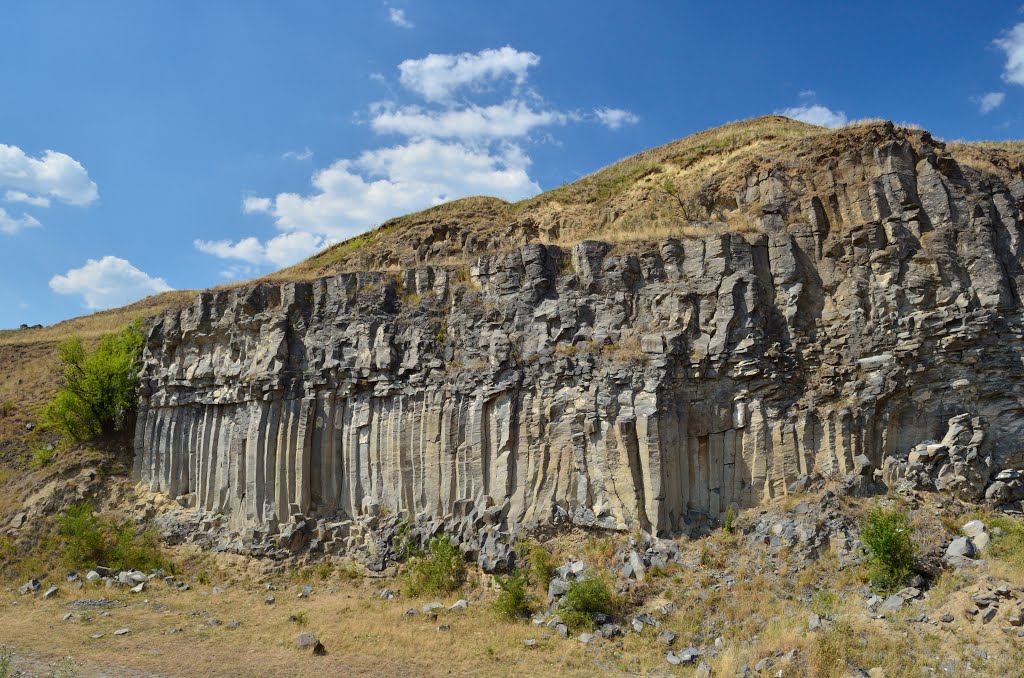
[(585, 599), (98, 393), (441, 571), (298, 618), (514, 600), (6, 660), (542, 564), (887, 535), (88, 541)]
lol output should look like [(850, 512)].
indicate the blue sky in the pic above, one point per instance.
[(157, 145)]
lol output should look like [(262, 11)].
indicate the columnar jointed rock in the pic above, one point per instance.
[(623, 390)]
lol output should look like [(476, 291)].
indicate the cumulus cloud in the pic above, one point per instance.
[(283, 250), (107, 282), (14, 225), (1012, 43), (506, 120), (816, 114), (21, 196), (255, 205), (304, 154), (614, 118), (448, 149), (54, 175), (437, 76), (398, 18), (353, 194), (990, 101)]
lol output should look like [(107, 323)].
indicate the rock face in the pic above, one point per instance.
[(878, 298)]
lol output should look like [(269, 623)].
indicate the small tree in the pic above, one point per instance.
[(887, 535), (99, 390)]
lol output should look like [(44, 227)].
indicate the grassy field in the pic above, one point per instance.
[(764, 613)]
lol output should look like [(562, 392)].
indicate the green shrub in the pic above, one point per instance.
[(441, 571), (584, 599), (88, 541), (542, 565), (99, 390), (730, 517), (298, 618), (887, 536), (513, 602), (6, 659)]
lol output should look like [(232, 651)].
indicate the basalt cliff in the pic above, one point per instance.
[(838, 305)]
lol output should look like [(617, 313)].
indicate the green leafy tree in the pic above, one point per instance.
[(889, 539), (99, 390)]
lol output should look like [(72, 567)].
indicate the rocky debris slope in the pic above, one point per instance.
[(876, 307)]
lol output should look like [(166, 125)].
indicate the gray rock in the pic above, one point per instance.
[(667, 637), (459, 606), (960, 547), (122, 632), (814, 621), (310, 643), (586, 638), (892, 604), (50, 593)]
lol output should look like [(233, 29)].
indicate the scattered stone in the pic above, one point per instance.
[(306, 590), (387, 594), (31, 586), (989, 614), (139, 588), (411, 612), (960, 547), (814, 622), (122, 632), (946, 618), (92, 575), (530, 642), (585, 638), (892, 604), (68, 616), (431, 608), (269, 600), (96, 636), (459, 606), (307, 641), (444, 627), (667, 637), (213, 622), (50, 593)]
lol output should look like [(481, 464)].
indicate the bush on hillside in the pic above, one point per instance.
[(88, 541), (441, 571), (584, 599), (888, 538), (99, 390), (513, 602)]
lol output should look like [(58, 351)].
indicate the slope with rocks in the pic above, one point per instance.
[(813, 304)]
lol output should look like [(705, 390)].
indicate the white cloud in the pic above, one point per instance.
[(254, 205), (990, 101), (614, 118), (816, 114), (12, 226), (437, 76), (107, 282), (304, 154), (398, 18), (21, 196), (1012, 43), (283, 250), (354, 194), (56, 175), (506, 120)]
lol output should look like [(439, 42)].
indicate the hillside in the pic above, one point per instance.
[(744, 404)]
